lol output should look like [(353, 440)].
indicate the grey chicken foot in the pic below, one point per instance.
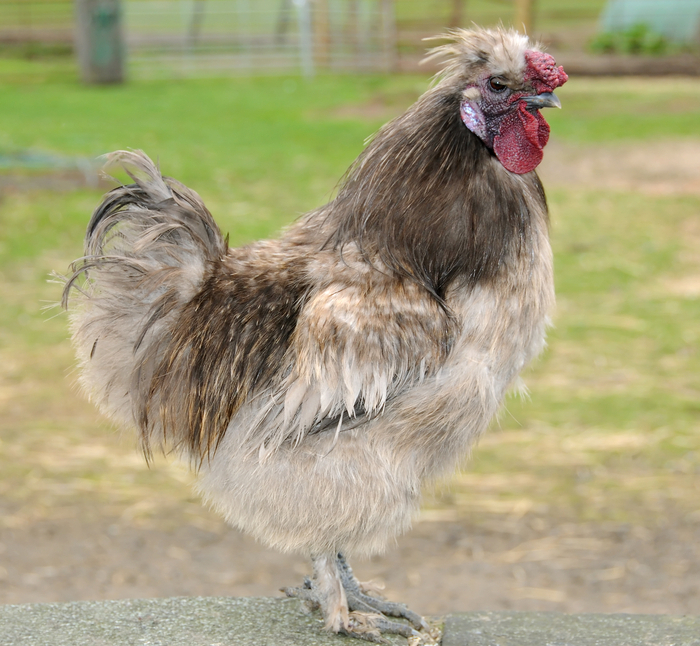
[(359, 601), (348, 610)]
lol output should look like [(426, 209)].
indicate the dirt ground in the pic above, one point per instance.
[(653, 168), (447, 563), (511, 563)]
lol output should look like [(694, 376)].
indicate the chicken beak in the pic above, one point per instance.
[(544, 100)]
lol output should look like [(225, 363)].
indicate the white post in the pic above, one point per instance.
[(306, 45)]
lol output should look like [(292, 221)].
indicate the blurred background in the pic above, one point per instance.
[(583, 498)]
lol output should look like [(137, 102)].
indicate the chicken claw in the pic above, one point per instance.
[(358, 601), (367, 616)]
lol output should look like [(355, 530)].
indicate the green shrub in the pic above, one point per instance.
[(638, 39)]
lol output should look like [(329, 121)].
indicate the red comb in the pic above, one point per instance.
[(543, 73)]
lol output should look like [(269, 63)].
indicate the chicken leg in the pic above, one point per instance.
[(348, 609)]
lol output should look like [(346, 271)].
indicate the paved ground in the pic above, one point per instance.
[(202, 621)]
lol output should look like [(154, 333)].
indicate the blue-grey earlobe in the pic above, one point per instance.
[(473, 118)]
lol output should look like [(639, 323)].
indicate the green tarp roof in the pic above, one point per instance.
[(677, 20)]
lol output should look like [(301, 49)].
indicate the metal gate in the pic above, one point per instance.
[(188, 37)]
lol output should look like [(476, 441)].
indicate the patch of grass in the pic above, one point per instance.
[(618, 109), (611, 427), (261, 151), (28, 72)]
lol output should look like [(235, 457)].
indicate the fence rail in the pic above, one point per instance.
[(267, 34)]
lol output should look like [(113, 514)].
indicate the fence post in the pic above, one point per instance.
[(322, 39), (306, 44), (99, 41), (456, 14), (524, 15), (389, 45)]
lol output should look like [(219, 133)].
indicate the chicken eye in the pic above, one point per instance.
[(497, 85)]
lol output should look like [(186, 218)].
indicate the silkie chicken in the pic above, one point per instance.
[(318, 380)]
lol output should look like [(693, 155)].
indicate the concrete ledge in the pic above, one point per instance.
[(183, 621), (224, 621), (555, 629)]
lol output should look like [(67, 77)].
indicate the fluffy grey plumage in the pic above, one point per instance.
[(318, 380)]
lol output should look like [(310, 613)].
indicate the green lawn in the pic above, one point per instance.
[(611, 430)]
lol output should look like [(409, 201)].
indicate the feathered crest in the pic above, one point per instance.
[(499, 50)]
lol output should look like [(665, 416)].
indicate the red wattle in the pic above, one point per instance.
[(520, 140)]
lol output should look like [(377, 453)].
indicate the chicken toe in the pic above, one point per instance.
[(358, 601)]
